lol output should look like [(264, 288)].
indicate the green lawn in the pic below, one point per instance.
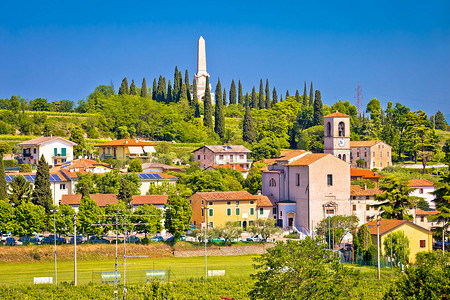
[(89, 271)]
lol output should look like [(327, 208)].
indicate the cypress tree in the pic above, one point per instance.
[(219, 124), (207, 118), (311, 95), (154, 89), (194, 101), (318, 110), (132, 88), (247, 100), (262, 103), (224, 97), (297, 96), (248, 131), (188, 87), (233, 92), (169, 93), (176, 85), (287, 93), (240, 95), (3, 186), (144, 88), (197, 110), (42, 193), (305, 100), (183, 93), (160, 93), (123, 90), (274, 96), (281, 98), (268, 104), (254, 99)]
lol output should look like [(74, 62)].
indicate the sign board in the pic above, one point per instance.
[(40, 280), (216, 273), (108, 277), (155, 274)]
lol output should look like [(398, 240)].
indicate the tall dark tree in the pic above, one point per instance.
[(232, 92), (287, 93), (268, 104), (318, 109), (311, 95), (439, 120), (281, 98), (123, 90), (207, 118), (248, 132), (246, 99), (132, 88), (219, 124), (254, 99), (176, 85), (170, 93), (195, 104), (297, 96), (144, 88), (274, 96), (42, 193), (188, 87), (4, 148), (305, 99), (262, 103), (161, 90), (183, 93), (240, 95), (154, 89), (224, 97)]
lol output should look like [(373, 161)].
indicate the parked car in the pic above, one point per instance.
[(79, 240), (36, 240), (255, 238), (133, 239), (24, 239), (157, 238), (5, 236), (98, 240), (172, 238), (10, 241)]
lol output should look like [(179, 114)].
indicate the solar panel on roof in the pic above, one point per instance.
[(8, 178), (150, 176), (33, 177), (141, 176), (157, 176), (28, 177)]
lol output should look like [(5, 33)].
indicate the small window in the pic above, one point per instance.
[(330, 179), (272, 182), (281, 213), (354, 207), (210, 203), (211, 224), (367, 207), (56, 161), (365, 154), (228, 202), (367, 197), (387, 154), (62, 186), (203, 202), (261, 211), (190, 201), (329, 211), (251, 202), (198, 157), (354, 197), (221, 156), (237, 202), (274, 210), (421, 191), (228, 211), (211, 212), (203, 212), (238, 211), (252, 211), (374, 154), (422, 219), (241, 156), (34, 150), (357, 154), (423, 243), (204, 156), (297, 179)]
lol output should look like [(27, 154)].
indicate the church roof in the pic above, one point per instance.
[(308, 159), (337, 115)]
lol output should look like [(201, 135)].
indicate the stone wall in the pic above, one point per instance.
[(224, 251)]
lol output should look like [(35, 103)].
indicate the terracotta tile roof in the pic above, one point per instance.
[(103, 200), (337, 114), (363, 173), (387, 225), (225, 148), (263, 201), (289, 154), (308, 159), (426, 212), (420, 182), (225, 196), (356, 190), (80, 163), (357, 144), (230, 166), (42, 140), (126, 142)]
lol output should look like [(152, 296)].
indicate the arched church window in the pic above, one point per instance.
[(341, 129), (272, 182), (328, 129), (344, 157), (339, 156)]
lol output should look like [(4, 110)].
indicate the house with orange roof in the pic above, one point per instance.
[(362, 200), (356, 174), (217, 208), (266, 207), (56, 150), (424, 189), (307, 187), (223, 154), (420, 238), (126, 148), (83, 165), (420, 217)]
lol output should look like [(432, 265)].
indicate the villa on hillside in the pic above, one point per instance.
[(56, 150), (223, 155), (126, 148)]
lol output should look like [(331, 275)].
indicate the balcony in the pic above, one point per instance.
[(60, 155), (26, 154)]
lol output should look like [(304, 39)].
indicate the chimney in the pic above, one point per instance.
[(365, 186), (51, 135), (126, 141), (137, 141), (259, 192)]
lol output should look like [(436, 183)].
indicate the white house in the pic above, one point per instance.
[(423, 189), (56, 150)]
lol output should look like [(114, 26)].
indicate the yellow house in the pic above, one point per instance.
[(124, 148), (217, 208), (420, 239)]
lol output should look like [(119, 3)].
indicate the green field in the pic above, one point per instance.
[(90, 271)]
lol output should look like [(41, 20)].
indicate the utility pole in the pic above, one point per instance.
[(378, 245), (54, 211), (75, 249), (205, 209)]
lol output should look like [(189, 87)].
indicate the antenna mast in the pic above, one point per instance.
[(359, 100)]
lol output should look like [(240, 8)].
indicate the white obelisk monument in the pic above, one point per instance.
[(201, 75)]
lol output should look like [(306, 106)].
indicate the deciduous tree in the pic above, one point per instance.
[(77, 136), (177, 215)]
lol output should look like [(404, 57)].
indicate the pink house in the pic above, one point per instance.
[(223, 155)]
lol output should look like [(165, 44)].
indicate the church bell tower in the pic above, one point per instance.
[(337, 135)]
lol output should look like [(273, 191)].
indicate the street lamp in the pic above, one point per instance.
[(54, 211), (205, 210), (75, 249), (378, 245)]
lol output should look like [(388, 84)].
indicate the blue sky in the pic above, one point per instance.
[(397, 50)]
